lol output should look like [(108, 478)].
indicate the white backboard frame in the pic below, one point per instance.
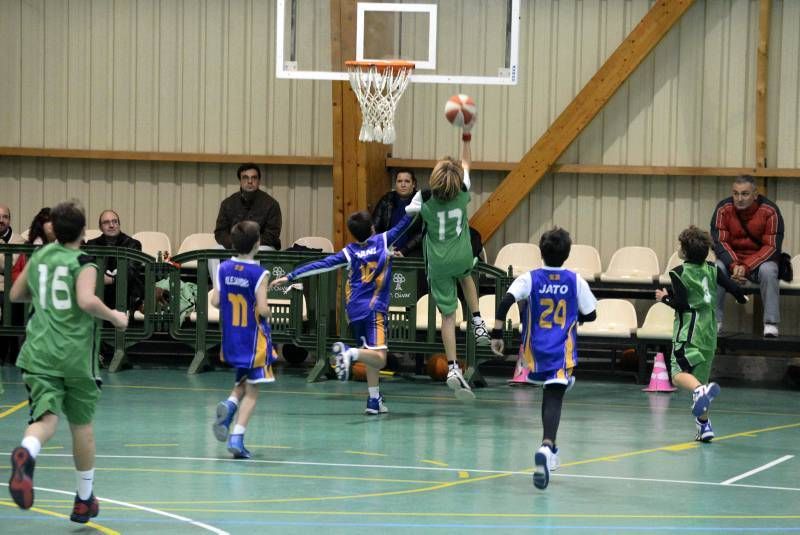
[(508, 76), (430, 9)]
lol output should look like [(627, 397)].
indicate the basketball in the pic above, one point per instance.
[(460, 110), (629, 360), (358, 371), (293, 354), (437, 368)]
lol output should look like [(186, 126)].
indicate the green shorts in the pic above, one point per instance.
[(687, 358), (444, 290), (75, 397)]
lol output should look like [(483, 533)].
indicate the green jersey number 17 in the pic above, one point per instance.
[(455, 214)]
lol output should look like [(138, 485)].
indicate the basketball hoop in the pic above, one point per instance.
[(378, 86)]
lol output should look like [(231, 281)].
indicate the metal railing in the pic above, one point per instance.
[(325, 319)]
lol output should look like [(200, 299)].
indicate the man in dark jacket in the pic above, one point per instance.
[(392, 207), (112, 236), (747, 230), (250, 204)]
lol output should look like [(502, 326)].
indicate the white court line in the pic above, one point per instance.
[(141, 508), (756, 470), (428, 468), (678, 481)]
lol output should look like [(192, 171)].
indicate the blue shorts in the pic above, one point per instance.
[(262, 374), (371, 332), (560, 377)]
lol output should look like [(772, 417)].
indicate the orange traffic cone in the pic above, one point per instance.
[(659, 379), (520, 374)]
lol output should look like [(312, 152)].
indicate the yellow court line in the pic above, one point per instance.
[(405, 514), (13, 409), (148, 445), (435, 463), (429, 488), (241, 474), (368, 453), (430, 398), (339, 512), (463, 475), (445, 398), (448, 484), (98, 527), (52, 448)]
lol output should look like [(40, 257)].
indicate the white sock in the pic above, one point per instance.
[(374, 392), (238, 429), (33, 445), (353, 352), (453, 365), (234, 400), (477, 320), (85, 482)]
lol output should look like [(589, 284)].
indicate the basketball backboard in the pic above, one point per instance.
[(449, 41)]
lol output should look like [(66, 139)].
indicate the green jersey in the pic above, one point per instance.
[(448, 249), (695, 289), (61, 339)]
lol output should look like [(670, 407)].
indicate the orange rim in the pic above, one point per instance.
[(381, 65)]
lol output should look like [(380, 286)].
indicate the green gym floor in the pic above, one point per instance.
[(432, 465)]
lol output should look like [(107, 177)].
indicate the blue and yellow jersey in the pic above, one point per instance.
[(555, 297), (246, 340), (369, 265)]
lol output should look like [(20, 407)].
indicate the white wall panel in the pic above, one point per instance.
[(156, 75), (176, 198)]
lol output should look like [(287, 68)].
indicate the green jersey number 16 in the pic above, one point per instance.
[(59, 291)]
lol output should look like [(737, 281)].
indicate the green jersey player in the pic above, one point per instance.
[(448, 254), (59, 359), (694, 334)]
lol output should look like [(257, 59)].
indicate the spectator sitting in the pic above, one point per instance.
[(250, 204), (392, 207), (8, 344), (8, 236), (40, 233), (747, 230), (112, 236)]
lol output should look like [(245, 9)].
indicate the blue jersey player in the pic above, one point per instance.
[(241, 296), (369, 264), (557, 300)]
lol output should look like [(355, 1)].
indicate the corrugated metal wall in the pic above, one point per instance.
[(198, 77), (147, 75), (176, 198)]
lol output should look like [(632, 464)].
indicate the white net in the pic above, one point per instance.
[(378, 87)]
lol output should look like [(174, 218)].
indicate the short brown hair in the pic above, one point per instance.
[(68, 220), (446, 179), (244, 235), (695, 244)]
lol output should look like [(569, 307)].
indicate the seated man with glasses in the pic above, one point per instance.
[(112, 236)]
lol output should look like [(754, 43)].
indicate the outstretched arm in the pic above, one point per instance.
[(329, 263), (394, 233)]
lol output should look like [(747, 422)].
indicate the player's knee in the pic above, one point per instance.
[(768, 270)]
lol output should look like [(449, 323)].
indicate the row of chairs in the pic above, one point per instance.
[(627, 265), (616, 318), (154, 242), (634, 264)]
